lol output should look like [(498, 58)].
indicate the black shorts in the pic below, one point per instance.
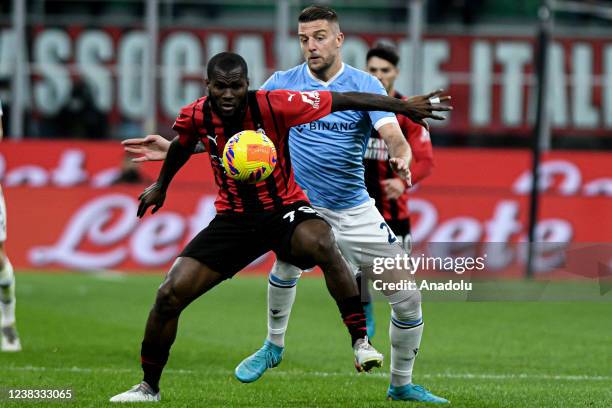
[(232, 241), (399, 227)]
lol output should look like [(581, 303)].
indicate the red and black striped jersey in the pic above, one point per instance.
[(377, 168), (272, 112)]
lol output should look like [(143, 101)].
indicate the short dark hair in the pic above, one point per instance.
[(316, 12), (226, 61), (385, 52)]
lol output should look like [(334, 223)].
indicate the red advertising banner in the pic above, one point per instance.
[(64, 211), (489, 76)]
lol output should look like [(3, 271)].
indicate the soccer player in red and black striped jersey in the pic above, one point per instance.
[(251, 220), (388, 190)]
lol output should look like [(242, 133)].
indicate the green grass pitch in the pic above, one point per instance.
[(83, 332)]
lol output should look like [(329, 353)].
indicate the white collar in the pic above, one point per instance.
[(332, 79)]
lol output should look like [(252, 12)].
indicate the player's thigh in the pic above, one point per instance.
[(302, 235), (285, 271), (313, 238), (228, 244), (187, 279)]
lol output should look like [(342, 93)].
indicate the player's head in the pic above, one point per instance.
[(227, 83), (381, 61), (320, 37)]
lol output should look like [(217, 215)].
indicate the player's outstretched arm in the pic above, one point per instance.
[(155, 194), (149, 148), (152, 148), (416, 108)]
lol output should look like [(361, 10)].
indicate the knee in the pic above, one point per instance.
[(285, 271), (406, 307), (167, 303)]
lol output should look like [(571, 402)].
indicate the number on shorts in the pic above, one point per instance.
[(391, 236), (307, 210), (304, 209), (290, 215)]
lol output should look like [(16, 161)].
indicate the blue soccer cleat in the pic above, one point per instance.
[(253, 367), (368, 308), (412, 392)]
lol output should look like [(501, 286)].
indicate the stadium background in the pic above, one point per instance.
[(76, 77)]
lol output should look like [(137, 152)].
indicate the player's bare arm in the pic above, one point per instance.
[(149, 148), (400, 153), (155, 194), (416, 108), (152, 148)]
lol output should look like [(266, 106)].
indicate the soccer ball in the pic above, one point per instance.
[(249, 156)]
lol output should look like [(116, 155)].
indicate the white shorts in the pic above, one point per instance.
[(2, 217), (362, 234)]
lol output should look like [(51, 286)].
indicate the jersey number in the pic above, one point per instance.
[(304, 209), (391, 236)]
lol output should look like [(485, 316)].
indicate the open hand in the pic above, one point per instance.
[(150, 148), (393, 188), (401, 168), (422, 107)]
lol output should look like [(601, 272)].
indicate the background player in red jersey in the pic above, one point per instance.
[(253, 219), (388, 190)]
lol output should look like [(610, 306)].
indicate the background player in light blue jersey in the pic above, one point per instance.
[(327, 157)]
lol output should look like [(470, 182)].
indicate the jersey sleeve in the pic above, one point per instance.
[(184, 125), (422, 150), (296, 108), (378, 118), (272, 83)]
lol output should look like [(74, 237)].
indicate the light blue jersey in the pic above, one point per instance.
[(327, 155)]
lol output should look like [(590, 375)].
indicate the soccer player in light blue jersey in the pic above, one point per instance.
[(327, 159)]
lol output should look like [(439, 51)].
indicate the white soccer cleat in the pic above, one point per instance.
[(139, 393), (10, 339), (366, 356)]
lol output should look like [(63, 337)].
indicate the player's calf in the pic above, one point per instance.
[(317, 241), (405, 331)]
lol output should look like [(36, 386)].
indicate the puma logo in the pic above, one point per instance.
[(275, 311)]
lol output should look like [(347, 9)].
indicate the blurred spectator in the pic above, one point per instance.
[(80, 117), (129, 173), (127, 128)]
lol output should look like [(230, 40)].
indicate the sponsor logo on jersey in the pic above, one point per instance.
[(311, 97), (332, 126)]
